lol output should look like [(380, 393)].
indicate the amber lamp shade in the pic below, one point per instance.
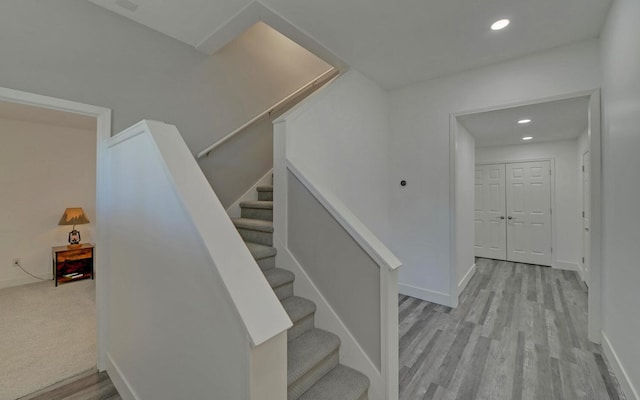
[(74, 216)]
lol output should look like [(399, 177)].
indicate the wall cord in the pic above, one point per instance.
[(29, 273)]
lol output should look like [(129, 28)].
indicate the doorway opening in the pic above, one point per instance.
[(56, 148), (526, 186)]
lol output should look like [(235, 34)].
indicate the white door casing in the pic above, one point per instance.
[(529, 212), (586, 217), (489, 217)]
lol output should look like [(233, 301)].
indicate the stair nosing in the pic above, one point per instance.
[(257, 204), (253, 224)]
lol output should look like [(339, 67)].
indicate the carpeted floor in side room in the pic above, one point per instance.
[(47, 334)]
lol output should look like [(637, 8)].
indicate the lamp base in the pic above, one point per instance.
[(74, 238)]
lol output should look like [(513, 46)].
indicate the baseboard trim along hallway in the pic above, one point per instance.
[(618, 369)]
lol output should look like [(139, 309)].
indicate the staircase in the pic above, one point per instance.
[(313, 368)]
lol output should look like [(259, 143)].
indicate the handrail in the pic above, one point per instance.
[(352, 224), (329, 74)]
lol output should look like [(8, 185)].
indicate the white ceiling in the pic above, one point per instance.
[(394, 43), (554, 120), (23, 112)]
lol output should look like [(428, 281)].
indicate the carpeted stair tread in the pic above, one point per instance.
[(307, 351), (260, 251), (253, 224), (266, 188), (341, 383), (259, 204), (298, 307), (278, 277)]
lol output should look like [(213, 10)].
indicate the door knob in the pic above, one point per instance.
[(586, 229), (501, 217), (510, 217)]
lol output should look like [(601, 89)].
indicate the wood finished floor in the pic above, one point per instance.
[(95, 386), (520, 332)]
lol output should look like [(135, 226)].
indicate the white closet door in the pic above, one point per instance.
[(529, 212), (490, 231), (586, 216)]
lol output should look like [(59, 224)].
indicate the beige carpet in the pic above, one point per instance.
[(47, 334)]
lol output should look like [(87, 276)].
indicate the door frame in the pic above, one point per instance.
[(103, 133), (595, 145), (552, 184), (583, 252)]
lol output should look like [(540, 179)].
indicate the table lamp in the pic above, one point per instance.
[(74, 216)]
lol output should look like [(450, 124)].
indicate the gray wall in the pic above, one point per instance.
[(344, 273), (621, 192), (77, 51)]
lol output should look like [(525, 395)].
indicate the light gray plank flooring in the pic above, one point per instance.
[(519, 333), (95, 386)]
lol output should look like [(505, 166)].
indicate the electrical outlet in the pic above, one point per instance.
[(16, 262)]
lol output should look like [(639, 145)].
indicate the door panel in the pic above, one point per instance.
[(490, 232), (586, 219), (528, 206)]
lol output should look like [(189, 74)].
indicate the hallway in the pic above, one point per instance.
[(520, 332)]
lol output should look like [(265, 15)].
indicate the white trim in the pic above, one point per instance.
[(365, 238), (431, 296), (453, 216), (351, 353), (24, 280), (466, 278), (103, 132), (121, 383), (595, 273), (595, 145), (567, 266), (620, 372), (234, 209)]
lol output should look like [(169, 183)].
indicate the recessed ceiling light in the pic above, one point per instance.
[(524, 121), (500, 24), (527, 138)]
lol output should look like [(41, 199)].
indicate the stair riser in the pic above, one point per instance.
[(265, 196), (305, 324), (257, 213), (267, 263), (303, 384), (248, 235), (284, 291)]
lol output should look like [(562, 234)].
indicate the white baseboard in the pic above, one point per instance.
[(567, 265), (351, 353), (431, 296), (465, 280), (119, 381), (625, 383), (7, 283), (249, 195)]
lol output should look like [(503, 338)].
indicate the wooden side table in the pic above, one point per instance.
[(72, 264)]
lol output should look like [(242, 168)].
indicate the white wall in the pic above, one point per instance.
[(567, 249), (621, 194), (420, 148), (465, 204), (341, 137), (77, 51), (43, 170), (188, 306)]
